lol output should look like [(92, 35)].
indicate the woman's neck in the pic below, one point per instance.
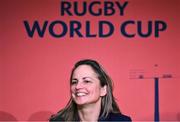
[(90, 112)]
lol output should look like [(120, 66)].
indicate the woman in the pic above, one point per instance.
[(91, 96)]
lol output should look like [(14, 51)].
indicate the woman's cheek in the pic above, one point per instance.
[(72, 89)]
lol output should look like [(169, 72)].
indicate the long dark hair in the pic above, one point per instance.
[(108, 103)]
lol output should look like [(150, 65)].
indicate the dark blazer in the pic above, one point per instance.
[(111, 117), (116, 117)]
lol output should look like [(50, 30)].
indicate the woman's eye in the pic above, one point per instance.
[(87, 81), (73, 82)]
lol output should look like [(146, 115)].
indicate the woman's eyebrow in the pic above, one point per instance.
[(74, 79), (87, 77)]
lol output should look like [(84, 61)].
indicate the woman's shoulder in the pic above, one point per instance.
[(117, 117), (55, 118)]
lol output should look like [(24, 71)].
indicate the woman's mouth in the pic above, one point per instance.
[(80, 94)]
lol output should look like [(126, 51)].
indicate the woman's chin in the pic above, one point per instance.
[(80, 103)]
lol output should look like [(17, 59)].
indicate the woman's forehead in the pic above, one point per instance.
[(84, 71)]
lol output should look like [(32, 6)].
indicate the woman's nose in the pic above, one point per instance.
[(79, 85)]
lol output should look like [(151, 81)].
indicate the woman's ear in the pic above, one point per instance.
[(103, 90)]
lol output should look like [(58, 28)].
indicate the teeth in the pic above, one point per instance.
[(80, 94)]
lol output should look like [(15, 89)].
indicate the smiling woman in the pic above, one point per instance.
[(91, 96)]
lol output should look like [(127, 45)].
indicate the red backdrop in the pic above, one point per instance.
[(35, 71)]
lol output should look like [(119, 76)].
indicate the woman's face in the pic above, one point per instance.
[(85, 86)]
